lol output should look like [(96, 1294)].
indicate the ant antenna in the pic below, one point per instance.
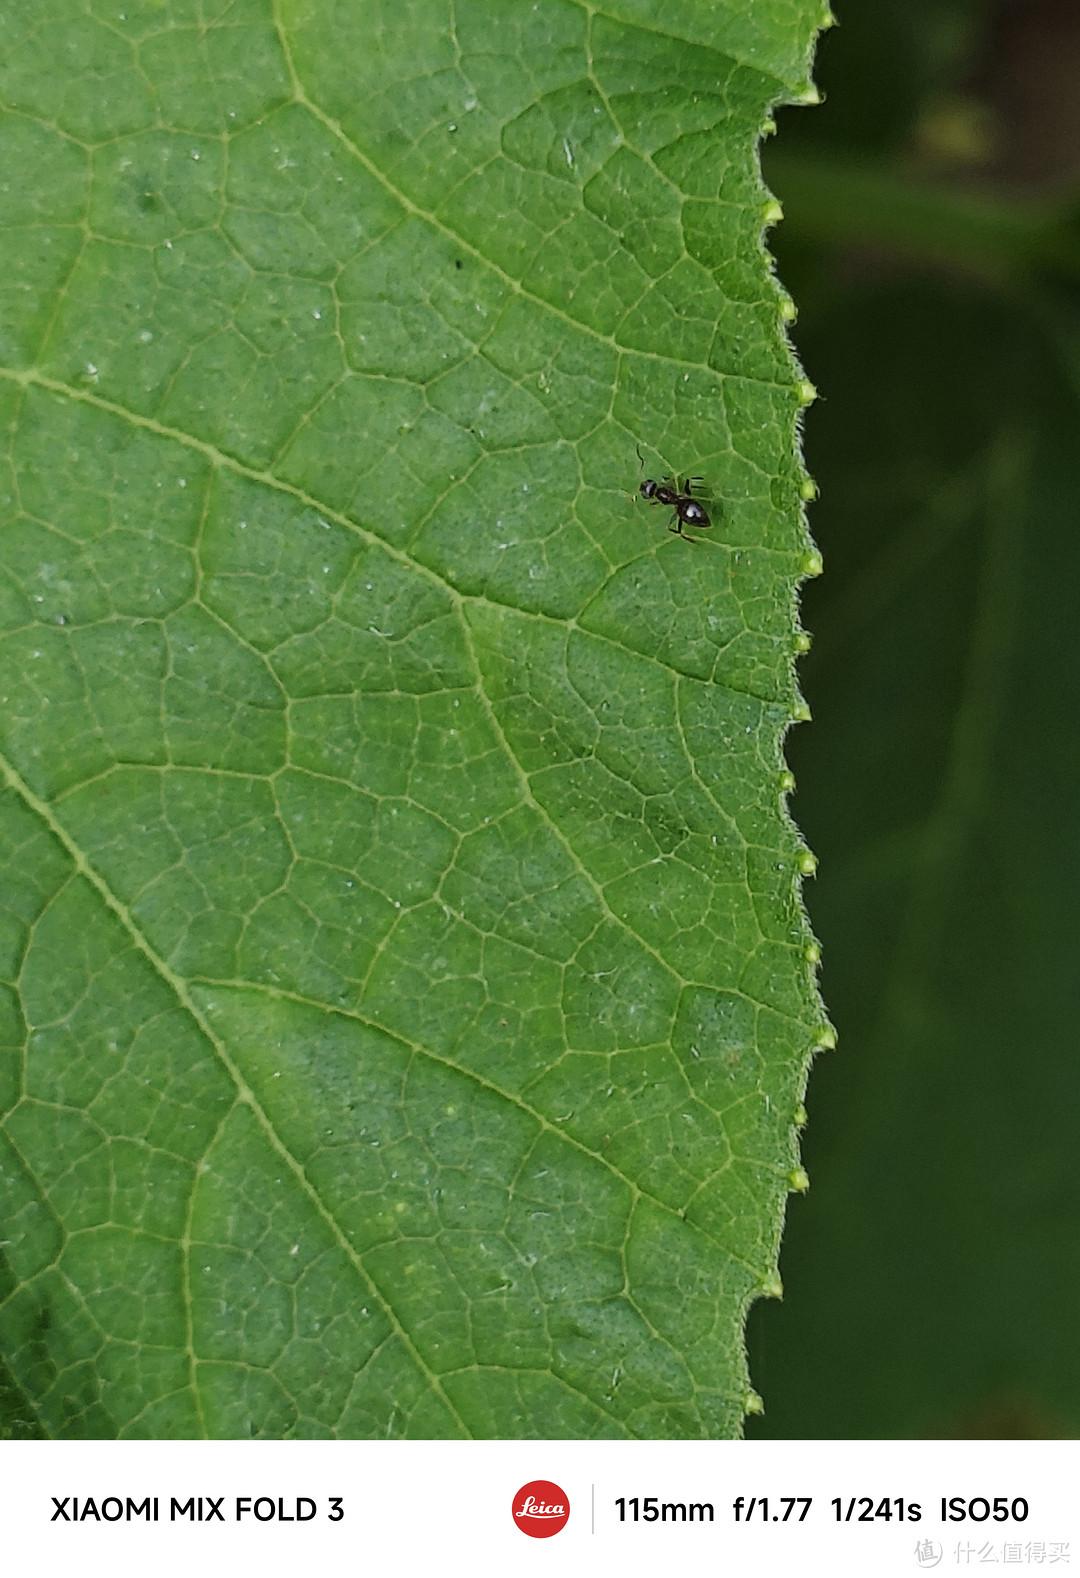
[(641, 457)]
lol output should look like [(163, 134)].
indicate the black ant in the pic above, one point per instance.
[(688, 511)]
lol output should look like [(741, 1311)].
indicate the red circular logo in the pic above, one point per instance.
[(541, 1508)]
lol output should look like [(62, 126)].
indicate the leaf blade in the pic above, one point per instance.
[(410, 1031)]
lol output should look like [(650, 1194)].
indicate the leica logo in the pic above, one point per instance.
[(532, 1508), (541, 1508)]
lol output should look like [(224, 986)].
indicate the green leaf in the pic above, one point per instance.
[(410, 996)]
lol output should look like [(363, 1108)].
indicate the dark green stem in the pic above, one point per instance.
[(996, 235)]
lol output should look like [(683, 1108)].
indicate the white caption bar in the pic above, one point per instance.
[(762, 1508)]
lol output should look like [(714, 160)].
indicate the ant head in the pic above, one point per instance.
[(647, 488)]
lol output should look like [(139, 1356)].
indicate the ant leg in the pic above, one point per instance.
[(688, 485)]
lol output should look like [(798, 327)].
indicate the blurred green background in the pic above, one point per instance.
[(932, 244)]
